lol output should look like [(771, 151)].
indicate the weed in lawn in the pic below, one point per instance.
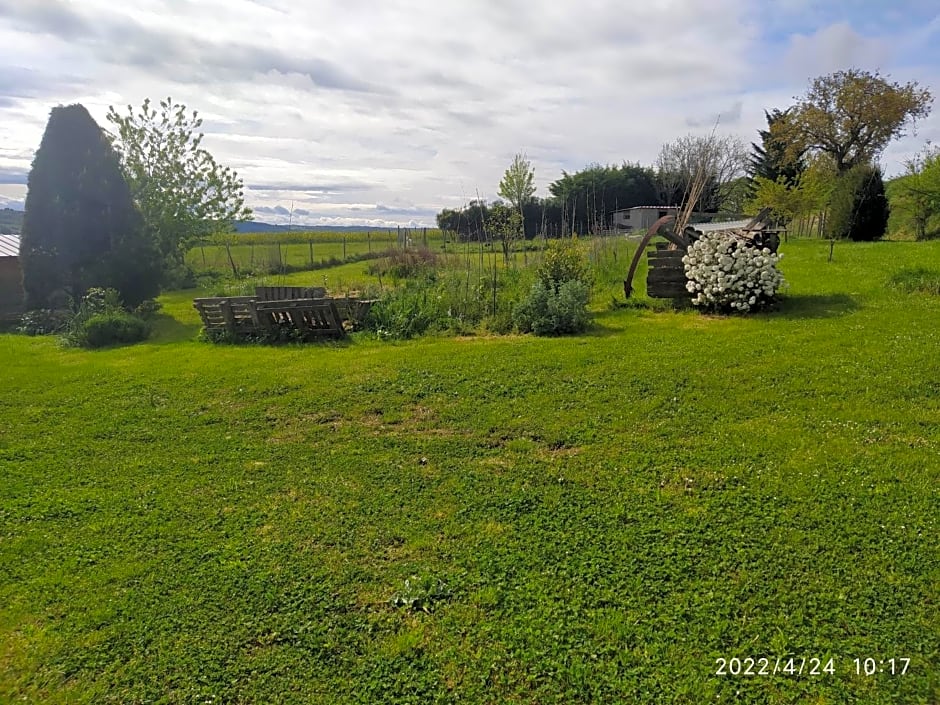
[(916, 280)]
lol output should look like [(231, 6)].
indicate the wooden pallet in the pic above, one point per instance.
[(245, 316), (310, 318), (232, 314), (288, 293), (666, 278)]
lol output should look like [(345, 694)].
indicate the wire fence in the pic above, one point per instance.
[(276, 252)]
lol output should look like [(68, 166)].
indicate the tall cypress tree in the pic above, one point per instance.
[(858, 209), (81, 228)]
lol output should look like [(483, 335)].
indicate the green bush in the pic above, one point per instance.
[(406, 312), (110, 328), (102, 320), (549, 311), (178, 276), (451, 301), (44, 321), (858, 209), (557, 303), (563, 261), (147, 309)]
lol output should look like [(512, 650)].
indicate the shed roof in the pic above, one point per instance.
[(9, 245), (641, 208), (714, 227)]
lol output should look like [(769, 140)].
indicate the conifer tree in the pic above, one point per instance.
[(81, 228)]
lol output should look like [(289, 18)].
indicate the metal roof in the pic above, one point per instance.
[(713, 227), (636, 208), (9, 245)]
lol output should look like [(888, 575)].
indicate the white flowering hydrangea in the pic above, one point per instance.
[(725, 273)]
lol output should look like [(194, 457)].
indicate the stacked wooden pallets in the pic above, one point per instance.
[(302, 313)]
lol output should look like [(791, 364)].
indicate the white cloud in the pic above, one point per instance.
[(834, 48), (411, 104)]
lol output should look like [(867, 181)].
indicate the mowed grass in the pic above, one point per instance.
[(492, 519)]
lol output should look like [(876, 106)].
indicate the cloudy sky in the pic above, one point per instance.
[(378, 113)]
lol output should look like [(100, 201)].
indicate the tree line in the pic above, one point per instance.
[(120, 209), (815, 166), (585, 201)]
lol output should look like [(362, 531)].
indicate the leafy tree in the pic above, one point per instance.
[(81, 228), (467, 222), (770, 159), (917, 192), (777, 195), (183, 193), (858, 209), (541, 215), (587, 199), (852, 116), (722, 160), (518, 183), (518, 187), (505, 223), (809, 196)]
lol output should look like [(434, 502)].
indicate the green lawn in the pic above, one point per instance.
[(493, 519)]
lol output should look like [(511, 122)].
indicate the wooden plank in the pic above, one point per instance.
[(286, 305), (219, 299), (288, 293), (668, 256), (667, 275), (229, 317)]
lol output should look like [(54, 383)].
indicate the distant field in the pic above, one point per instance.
[(595, 519), (267, 251)]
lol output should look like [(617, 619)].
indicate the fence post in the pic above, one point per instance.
[(344, 247), (311, 252)]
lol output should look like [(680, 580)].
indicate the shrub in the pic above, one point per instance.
[(727, 274), (563, 262), (110, 328), (452, 301), (179, 276), (44, 321), (147, 309), (858, 209), (99, 300), (557, 303), (550, 311), (102, 320), (405, 313)]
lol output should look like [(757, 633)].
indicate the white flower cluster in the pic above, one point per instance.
[(725, 273)]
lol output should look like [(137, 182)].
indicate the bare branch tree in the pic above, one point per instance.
[(717, 160)]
